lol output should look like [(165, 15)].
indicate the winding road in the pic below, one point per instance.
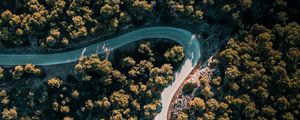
[(183, 37)]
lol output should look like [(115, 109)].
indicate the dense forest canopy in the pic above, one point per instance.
[(256, 73), (57, 23), (257, 77), (128, 88)]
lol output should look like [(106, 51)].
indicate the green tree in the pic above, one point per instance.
[(9, 114), (269, 111), (18, 72), (116, 115), (6, 15), (189, 87), (250, 110), (288, 116), (145, 49), (197, 103), (86, 66), (55, 82), (212, 104), (128, 62), (175, 54), (150, 110), (120, 98), (141, 9), (182, 116), (282, 103), (143, 67), (89, 104), (161, 77), (32, 69)]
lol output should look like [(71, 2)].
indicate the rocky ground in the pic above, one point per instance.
[(211, 38), (181, 102)]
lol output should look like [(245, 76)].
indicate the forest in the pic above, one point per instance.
[(57, 23), (128, 88), (50, 24), (256, 73), (257, 77)]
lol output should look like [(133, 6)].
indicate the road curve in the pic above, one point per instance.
[(183, 37)]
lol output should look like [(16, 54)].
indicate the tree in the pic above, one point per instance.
[(197, 104), (282, 103), (175, 54), (5, 34), (107, 10), (161, 77), (139, 69), (250, 110), (226, 8), (50, 40), (150, 110), (9, 114), (198, 15), (134, 89), (55, 82), (230, 56), (234, 86), (189, 9), (293, 55), (32, 69), (55, 106), (54, 32), (128, 62), (223, 106), (125, 17), (6, 15), (182, 116), (104, 67), (269, 111), (209, 116), (89, 104), (217, 81), (120, 98), (288, 33), (104, 103), (145, 49), (65, 41), (87, 66), (246, 4), (18, 72), (118, 76), (75, 94), (19, 32), (65, 109), (136, 105), (232, 73), (68, 118), (288, 116), (77, 29), (212, 104), (116, 115), (141, 9), (189, 87), (206, 92)]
